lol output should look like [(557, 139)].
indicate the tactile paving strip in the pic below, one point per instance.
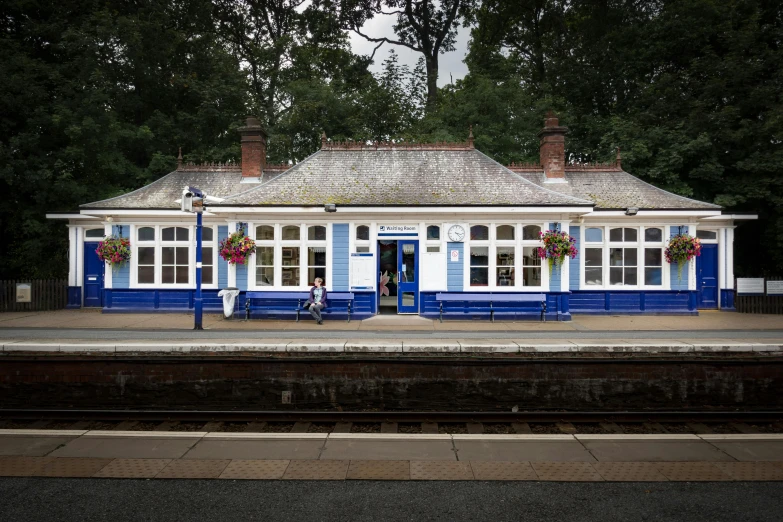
[(629, 471), (316, 470), (751, 470), (498, 470), (255, 469), (691, 471), (72, 467), (22, 466), (192, 468), (567, 471), (379, 470), (133, 468), (440, 470)]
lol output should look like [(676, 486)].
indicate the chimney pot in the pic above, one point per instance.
[(552, 147), (253, 148)]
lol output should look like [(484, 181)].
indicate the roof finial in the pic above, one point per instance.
[(179, 159), (618, 162), (323, 140), (470, 137)]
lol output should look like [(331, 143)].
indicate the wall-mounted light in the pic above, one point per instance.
[(330, 207), (631, 211)]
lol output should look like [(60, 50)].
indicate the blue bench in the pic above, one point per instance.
[(493, 298), (300, 298)]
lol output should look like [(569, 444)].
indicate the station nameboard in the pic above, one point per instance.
[(750, 285), (402, 231), (774, 287)]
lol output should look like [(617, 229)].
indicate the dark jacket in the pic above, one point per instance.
[(323, 297)]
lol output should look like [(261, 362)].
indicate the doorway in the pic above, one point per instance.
[(93, 276), (398, 267), (707, 276)]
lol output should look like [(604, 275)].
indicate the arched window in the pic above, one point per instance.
[(316, 233), (479, 233), (362, 233), (505, 233), (145, 234), (433, 232), (94, 233), (531, 233), (265, 233), (290, 233)]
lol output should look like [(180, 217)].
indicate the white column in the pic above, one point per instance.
[(80, 257), (107, 271), (722, 258), (73, 258), (330, 257), (730, 258), (232, 268), (692, 263), (565, 272)]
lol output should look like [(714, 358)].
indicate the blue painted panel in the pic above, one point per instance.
[(555, 275), (222, 264), (241, 276), (557, 308), (575, 263), (707, 276), (455, 271), (147, 300), (678, 281), (727, 300), (120, 276), (633, 302), (340, 242), (74, 297), (93, 275)]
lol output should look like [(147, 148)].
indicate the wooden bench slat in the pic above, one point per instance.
[(491, 299)]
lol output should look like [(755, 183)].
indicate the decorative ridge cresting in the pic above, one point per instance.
[(609, 166), (390, 145), (213, 166)]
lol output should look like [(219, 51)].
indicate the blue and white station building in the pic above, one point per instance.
[(398, 224)]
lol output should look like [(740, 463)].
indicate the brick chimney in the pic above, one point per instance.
[(253, 148), (553, 148)]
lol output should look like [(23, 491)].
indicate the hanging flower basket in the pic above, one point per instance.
[(557, 247), (682, 248), (114, 250), (237, 247)]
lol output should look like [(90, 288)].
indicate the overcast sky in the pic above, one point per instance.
[(450, 65)]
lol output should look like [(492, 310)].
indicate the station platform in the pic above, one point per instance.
[(346, 456)]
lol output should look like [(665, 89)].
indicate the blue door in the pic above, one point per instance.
[(408, 285), (93, 276), (707, 276)]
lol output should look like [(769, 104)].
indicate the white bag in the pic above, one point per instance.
[(228, 295)]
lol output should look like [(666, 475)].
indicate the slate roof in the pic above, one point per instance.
[(617, 189), (161, 194), (401, 177)]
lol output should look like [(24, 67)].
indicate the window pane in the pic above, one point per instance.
[(531, 233), (182, 255), (479, 256), (594, 276), (706, 234), (146, 234), (314, 272), (593, 256), (615, 276), (316, 256), (653, 256), (265, 233), (207, 234), (182, 275), (653, 276), (167, 234), (505, 276), (479, 276), (206, 275), (167, 253), (594, 235), (146, 255), (95, 232), (433, 232), (432, 249), (167, 275), (316, 233), (290, 233), (361, 249), (206, 256), (505, 256), (653, 235), (631, 234), (631, 256), (630, 276), (363, 233), (290, 256), (479, 233), (265, 276), (616, 234), (146, 274), (530, 256), (615, 257), (265, 256), (290, 276), (505, 232), (531, 276), (182, 234)]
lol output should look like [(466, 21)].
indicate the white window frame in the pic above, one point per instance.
[(355, 242), (479, 243), (276, 253), (302, 244), (527, 243), (643, 245), (314, 243), (158, 244)]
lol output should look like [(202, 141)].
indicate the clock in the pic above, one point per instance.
[(456, 233)]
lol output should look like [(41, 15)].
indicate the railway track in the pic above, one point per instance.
[(677, 422)]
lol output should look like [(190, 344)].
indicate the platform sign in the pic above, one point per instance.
[(362, 270), (23, 293), (774, 287), (750, 285), (454, 256)]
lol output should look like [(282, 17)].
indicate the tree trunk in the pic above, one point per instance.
[(432, 83)]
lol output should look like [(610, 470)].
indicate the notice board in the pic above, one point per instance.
[(362, 271)]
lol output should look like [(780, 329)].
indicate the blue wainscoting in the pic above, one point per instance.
[(557, 306), (651, 302), (727, 300), (222, 266), (575, 263), (455, 270), (74, 297), (340, 242), (120, 275), (122, 300)]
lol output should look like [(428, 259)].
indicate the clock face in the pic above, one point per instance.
[(456, 233)]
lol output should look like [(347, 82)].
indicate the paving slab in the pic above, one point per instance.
[(118, 447), (752, 450), (256, 449), (132, 468), (433, 470), (434, 345), (488, 346), (73, 467), (370, 346), (380, 470), (691, 471), (193, 469), (28, 466), (502, 470), (530, 450), (652, 450), (388, 449), (255, 469), (566, 471), (316, 470), (751, 470), (31, 445), (325, 345), (629, 471)]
